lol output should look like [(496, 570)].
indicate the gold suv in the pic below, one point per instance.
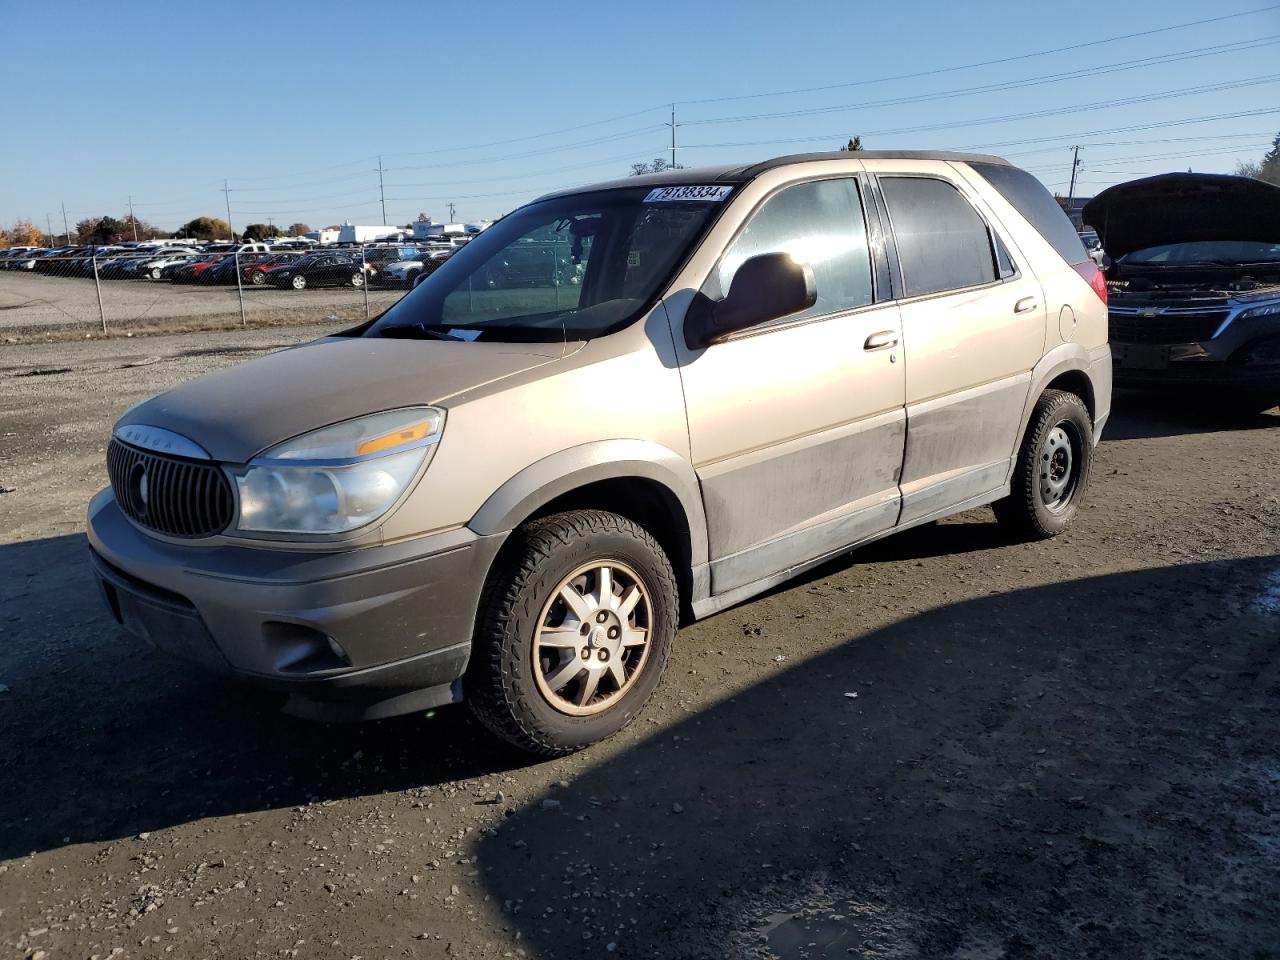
[(621, 407)]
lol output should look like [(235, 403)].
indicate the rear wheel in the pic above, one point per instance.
[(155, 273), (574, 631), (1052, 469), (357, 280), (259, 278), (299, 282)]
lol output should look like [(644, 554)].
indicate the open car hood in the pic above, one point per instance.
[(1181, 208)]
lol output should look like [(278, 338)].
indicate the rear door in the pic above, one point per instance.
[(974, 326)]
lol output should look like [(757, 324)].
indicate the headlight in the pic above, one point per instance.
[(337, 478), (1267, 310)]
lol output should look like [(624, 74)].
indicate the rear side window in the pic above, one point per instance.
[(820, 223), (942, 242), (1028, 196)]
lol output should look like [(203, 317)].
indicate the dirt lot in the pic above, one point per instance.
[(35, 306), (1057, 750)]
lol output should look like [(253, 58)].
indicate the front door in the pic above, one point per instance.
[(797, 427)]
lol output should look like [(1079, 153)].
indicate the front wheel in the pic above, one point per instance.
[(574, 631), (299, 282), (155, 273), (1052, 470), (259, 278)]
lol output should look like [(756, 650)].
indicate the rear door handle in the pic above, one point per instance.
[(881, 340), (1025, 305)]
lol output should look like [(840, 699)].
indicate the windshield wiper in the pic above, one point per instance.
[(412, 331)]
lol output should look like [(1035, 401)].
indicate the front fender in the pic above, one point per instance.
[(541, 482)]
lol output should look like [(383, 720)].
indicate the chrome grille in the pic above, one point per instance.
[(180, 498), (1189, 327)]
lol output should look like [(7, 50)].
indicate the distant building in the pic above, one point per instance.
[(426, 230), (1072, 209), (357, 233)]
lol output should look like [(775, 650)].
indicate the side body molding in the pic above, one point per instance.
[(543, 481)]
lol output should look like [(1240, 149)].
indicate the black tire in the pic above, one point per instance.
[(501, 685), (1028, 512)]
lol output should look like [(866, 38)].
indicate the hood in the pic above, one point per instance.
[(1181, 208), (239, 412)]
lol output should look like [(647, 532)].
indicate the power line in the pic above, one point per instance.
[(1083, 73), (987, 63), (1006, 118), (1135, 143), (1129, 128)]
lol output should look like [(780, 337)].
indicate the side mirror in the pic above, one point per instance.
[(765, 287)]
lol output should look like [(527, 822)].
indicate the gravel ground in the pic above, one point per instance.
[(36, 306), (947, 745)]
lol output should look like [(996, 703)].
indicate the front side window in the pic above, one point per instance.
[(942, 242), (568, 268), (820, 223)]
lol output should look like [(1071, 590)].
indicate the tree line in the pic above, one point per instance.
[(107, 229), (1268, 168)]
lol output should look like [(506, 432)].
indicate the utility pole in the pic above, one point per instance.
[(133, 220), (673, 135), (450, 211), (1075, 166), (48, 222), (226, 190), (382, 194), (65, 229)]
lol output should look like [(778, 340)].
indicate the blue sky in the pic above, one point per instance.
[(476, 103)]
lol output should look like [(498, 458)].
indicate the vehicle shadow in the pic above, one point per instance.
[(1081, 769), (101, 737), (1084, 768), (1141, 415)]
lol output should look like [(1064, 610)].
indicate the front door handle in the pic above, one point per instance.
[(1025, 305), (881, 340)]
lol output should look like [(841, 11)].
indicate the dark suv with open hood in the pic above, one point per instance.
[(1194, 282)]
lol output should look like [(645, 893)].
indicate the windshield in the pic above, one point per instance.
[(1207, 251), (569, 268)]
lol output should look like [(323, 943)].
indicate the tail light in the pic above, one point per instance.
[(1094, 277)]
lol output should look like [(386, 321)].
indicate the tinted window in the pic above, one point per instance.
[(942, 242), (819, 222), (1004, 262), (1028, 196)]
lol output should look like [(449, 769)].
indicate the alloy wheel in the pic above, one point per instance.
[(593, 638)]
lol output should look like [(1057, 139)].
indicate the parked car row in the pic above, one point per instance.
[(258, 264)]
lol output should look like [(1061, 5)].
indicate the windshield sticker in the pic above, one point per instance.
[(711, 194)]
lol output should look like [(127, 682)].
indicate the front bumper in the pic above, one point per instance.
[(1190, 365), (400, 616), (1242, 357)]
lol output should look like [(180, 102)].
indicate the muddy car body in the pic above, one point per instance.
[(1194, 283), (512, 486)]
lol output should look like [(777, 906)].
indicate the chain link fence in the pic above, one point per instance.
[(81, 291)]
